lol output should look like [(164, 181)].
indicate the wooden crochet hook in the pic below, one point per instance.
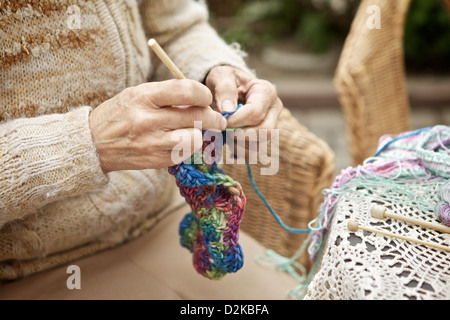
[(165, 59), (380, 212), (354, 226)]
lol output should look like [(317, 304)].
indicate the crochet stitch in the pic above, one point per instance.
[(211, 230)]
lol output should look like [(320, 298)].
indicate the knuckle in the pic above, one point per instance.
[(271, 89), (217, 74), (138, 120), (130, 92), (135, 94)]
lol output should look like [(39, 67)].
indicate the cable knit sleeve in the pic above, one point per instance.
[(182, 28), (45, 159)]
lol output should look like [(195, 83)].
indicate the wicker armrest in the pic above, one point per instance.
[(306, 167)]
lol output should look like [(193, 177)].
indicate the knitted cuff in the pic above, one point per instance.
[(84, 159), (45, 159)]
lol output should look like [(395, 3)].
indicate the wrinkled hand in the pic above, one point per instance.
[(133, 130), (261, 107), (231, 86)]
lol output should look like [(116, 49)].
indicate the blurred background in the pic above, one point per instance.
[(296, 44)]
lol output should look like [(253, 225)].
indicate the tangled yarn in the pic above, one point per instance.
[(211, 230), (420, 156)]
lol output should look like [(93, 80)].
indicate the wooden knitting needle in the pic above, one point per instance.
[(354, 226), (380, 212), (165, 59)]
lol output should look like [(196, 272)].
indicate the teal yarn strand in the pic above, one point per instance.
[(403, 136), (277, 217)]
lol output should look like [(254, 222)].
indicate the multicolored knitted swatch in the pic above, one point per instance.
[(211, 230)]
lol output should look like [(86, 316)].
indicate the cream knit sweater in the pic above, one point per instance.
[(58, 60)]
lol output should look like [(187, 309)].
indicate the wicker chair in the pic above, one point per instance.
[(370, 78), (306, 166)]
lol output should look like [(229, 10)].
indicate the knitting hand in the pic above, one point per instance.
[(133, 130), (231, 86)]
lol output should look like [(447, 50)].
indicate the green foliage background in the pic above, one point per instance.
[(427, 36), (256, 24)]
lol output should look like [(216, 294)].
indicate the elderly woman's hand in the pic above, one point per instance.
[(231, 86), (134, 130), (261, 107)]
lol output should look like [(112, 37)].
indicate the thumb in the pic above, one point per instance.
[(228, 106), (223, 84)]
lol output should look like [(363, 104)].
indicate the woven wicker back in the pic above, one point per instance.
[(370, 78), (306, 167)]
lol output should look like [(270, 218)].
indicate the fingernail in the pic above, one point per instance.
[(224, 123), (228, 106)]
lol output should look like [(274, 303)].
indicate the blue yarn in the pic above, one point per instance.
[(411, 133), (237, 257), (294, 230), (250, 175), (189, 176), (230, 113), (186, 223)]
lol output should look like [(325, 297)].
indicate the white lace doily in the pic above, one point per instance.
[(362, 265)]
